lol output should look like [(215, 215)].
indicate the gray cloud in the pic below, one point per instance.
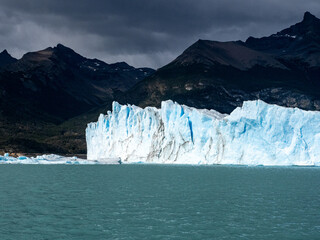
[(140, 32)]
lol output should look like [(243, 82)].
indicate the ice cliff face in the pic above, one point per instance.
[(256, 133)]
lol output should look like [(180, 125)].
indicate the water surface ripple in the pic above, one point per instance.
[(158, 202)]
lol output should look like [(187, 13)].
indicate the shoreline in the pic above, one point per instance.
[(80, 156)]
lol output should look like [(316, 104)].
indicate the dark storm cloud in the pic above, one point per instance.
[(142, 32)]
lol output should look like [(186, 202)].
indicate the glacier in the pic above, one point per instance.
[(255, 134)]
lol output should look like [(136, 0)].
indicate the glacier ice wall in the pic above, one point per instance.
[(257, 133)]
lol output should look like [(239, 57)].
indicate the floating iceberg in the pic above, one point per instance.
[(51, 159), (255, 134)]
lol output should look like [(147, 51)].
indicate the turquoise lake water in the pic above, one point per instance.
[(159, 202)]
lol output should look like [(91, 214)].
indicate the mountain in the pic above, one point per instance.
[(282, 69), (48, 97), (6, 58), (44, 89), (301, 40), (58, 83), (210, 53)]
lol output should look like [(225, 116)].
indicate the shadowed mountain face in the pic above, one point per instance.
[(283, 69), (5, 58), (48, 87), (232, 54), (301, 41), (57, 83)]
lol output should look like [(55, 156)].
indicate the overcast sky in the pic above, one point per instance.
[(141, 32)]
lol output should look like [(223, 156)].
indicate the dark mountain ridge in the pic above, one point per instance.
[(225, 53), (48, 87), (61, 83), (283, 69), (301, 40)]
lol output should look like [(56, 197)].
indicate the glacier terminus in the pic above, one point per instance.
[(255, 134)]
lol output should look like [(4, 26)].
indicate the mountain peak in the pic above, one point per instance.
[(38, 56), (308, 17), (211, 53), (5, 52), (68, 53), (121, 65), (61, 46), (299, 40), (6, 58)]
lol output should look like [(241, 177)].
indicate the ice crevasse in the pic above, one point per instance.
[(255, 134)]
